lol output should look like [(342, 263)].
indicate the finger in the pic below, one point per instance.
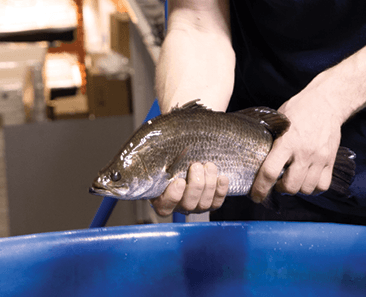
[(208, 193), (222, 188), (269, 173), (292, 179), (165, 204), (324, 180), (311, 180), (194, 188), (326, 176)]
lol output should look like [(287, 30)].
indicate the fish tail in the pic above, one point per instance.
[(343, 175), (343, 171)]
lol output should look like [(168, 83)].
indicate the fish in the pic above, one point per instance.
[(163, 148)]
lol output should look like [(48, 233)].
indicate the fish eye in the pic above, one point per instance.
[(115, 176)]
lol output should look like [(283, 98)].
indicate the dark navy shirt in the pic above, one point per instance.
[(281, 45)]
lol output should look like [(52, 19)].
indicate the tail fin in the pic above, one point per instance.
[(343, 171)]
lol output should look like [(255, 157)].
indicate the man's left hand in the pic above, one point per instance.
[(308, 148)]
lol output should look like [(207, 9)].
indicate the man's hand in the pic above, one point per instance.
[(308, 148), (202, 192)]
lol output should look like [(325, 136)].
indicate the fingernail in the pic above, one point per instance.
[(221, 181), (210, 168), (198, 167)]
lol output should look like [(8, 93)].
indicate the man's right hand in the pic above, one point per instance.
[(203, 191)]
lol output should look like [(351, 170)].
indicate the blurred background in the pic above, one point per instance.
[(76, 79)]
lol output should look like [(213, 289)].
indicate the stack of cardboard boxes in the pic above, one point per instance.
[(109, 94)]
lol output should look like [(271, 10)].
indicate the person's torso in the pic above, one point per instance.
[(281, 45)]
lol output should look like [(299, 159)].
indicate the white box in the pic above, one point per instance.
[(16, 96), (62, 71), (12, 82), (13, 118), (33, 15), (31, 55)]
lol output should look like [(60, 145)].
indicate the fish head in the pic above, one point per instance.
[(126, 178)]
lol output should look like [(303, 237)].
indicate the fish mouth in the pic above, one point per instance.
[(106, 191), (98, 190)]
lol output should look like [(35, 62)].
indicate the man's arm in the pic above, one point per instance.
[(196, 61), (316, 114)]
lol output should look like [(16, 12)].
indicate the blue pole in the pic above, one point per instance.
[(104, 212), (166, 14)]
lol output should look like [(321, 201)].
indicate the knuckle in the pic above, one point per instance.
[(291, 188), (307, 190), (222, 184), (323, 155), (199, 186), (220, 195), (269, 173), (305, 152), (324, 182), (175, 199), (210, 186), (172, 198), (260, 194), (259, 191), (322, 187), (163, 212), (190, 207), (203, 206), (217, 203)]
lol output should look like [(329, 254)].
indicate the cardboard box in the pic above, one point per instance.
[(108, 96), (120, 34), (72, 107)]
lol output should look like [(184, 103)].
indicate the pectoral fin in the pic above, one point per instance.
[(178, 163)]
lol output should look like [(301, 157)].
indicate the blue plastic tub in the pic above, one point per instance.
[(204, 259)]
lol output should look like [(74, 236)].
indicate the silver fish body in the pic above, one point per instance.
[(163, 148)]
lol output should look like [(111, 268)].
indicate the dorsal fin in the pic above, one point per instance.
[(190, 105), (277, 123)]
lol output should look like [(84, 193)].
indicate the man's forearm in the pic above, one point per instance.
[(346, 83), (196, 61)]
